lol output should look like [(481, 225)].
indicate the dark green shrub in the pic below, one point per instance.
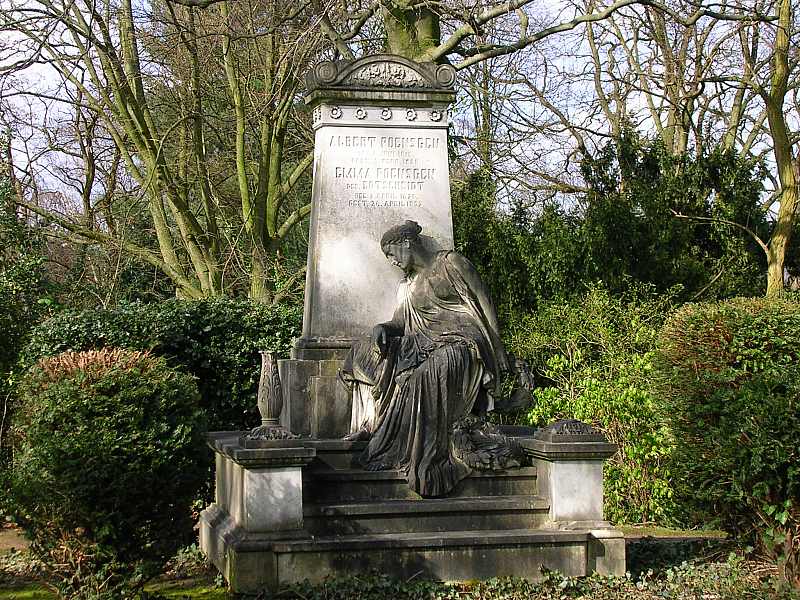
[(592, 359), (106, 465), (216, 340), (729, 374)]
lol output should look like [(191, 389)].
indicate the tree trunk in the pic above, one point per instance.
[(411, 28), (259, 291), (782, 147)]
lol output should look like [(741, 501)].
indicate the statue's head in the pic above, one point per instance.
[(401, 243)]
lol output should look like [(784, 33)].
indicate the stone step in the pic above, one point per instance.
[(440, 514), (444, 556), (342, 454), (358, 485), (337, 454)]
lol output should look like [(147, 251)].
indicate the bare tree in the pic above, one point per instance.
[(144, 79), (148, 79)]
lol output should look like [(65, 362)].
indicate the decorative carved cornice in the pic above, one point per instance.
[(383, 71)]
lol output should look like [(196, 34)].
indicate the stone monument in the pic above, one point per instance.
[(294, 500), (380, 157)]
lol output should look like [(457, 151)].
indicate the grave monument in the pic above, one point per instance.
[(380, 157), (293, 498)]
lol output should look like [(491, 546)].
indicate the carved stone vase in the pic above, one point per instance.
[(270, 403)]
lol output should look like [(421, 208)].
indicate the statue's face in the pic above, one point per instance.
[(400, 255)]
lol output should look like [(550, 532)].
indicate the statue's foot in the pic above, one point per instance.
[(359, 436)]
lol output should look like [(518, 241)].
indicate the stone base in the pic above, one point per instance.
[(252, 564), (316, 404), (351, 521)]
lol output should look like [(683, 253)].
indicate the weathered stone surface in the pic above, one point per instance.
[(352, 520), (442, 514), (569, 456), (317, 405), (606, 552), (298, 410), (261, 488), (574, 489), (331, 406), (272, 500), (357, 485), (450, 556), (380, 157)]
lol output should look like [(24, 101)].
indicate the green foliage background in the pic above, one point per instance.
[(216, 340), (623, 231), (593, 359), (26, 296)]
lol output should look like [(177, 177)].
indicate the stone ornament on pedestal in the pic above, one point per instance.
[(270, 403), (569, 456), (380, 157)]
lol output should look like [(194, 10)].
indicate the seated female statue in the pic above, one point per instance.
[(437, 361)]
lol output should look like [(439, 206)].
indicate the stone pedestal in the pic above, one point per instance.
[(569, 456), (285, 513), (258, 499), (317, 405)]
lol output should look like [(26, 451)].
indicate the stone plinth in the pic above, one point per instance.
[(258, 499), (569, 456), (269, 527), (318, 404)]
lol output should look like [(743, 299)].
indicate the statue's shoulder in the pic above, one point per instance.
[(455, 259)]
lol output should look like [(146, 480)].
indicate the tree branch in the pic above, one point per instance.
[(747, 230)]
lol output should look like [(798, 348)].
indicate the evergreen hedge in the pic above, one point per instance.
[(108, 453), (215, 340), (729, 375)]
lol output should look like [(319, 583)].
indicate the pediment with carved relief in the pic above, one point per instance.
[(382, 71)]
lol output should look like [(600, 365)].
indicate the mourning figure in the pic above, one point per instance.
[(427, 376)]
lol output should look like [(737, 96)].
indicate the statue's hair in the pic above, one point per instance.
[(409, 230)]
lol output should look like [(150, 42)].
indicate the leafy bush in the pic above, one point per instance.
[(106, 464), (729, 373), (592, 358), (215, 340)]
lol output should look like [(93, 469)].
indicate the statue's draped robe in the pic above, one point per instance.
[(443, 366)]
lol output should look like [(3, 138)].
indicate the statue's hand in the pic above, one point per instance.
[(380, 338)]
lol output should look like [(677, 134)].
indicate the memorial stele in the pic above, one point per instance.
[(380, 157), (293, 501)]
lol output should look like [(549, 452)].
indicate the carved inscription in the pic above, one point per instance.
[(383, 170)]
